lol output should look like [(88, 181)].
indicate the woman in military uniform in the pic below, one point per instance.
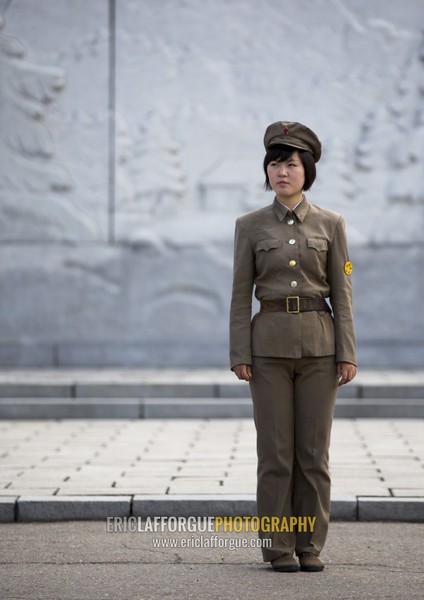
[(298, 349)]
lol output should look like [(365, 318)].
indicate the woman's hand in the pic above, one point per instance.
[(243, 372), (345, 372)]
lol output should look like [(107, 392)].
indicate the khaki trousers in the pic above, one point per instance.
[(293, 401)]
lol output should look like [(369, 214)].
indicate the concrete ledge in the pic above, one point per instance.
[(196, 505), (36, 390), (143, 390), (145, 382), (7, 509), (390, 509), (381, 390), (70, 408), (69, 508), (344, 508), (185, 505), (198, 408), (187, 408), (233, 390), (379, 408)]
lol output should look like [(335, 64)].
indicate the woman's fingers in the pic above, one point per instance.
[(243, 372), (345, 372)]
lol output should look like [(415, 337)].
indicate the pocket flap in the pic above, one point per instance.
[(267, 245), (318, 244)]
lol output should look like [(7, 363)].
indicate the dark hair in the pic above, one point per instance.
[(281, 152)]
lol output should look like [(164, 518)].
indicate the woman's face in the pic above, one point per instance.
[(287, 178)]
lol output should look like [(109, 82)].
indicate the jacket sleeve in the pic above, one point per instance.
[(341, 295), (241, 300)]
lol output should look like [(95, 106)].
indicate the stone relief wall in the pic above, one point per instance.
[(131, 138), (33, 203)]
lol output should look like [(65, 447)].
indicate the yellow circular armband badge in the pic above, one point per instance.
[(348, 268)]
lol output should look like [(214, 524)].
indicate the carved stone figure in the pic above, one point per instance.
[(32, 201)]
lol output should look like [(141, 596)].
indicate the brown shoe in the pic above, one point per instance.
[(310, 562), (285, 563)]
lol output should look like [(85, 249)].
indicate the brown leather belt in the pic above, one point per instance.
[(294, 305)]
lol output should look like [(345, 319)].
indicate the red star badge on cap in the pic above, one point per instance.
[(285, 130)]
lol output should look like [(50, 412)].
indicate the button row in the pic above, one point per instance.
[(292, 263)]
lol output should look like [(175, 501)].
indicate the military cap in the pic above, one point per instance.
[(293, 134)]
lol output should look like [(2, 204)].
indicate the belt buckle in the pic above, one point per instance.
[(297, 309)]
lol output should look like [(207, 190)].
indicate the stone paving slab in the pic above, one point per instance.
[(58, 460)]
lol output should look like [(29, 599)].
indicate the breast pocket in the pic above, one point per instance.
[(267, 257), (317, 255), (318, 244), (265, 245)]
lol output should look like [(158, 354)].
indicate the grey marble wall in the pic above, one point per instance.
[(131, 138)]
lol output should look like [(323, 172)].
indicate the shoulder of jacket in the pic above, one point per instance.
[(329, 215), (252, 217)]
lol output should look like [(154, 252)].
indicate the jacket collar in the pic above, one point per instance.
[(300, 211)]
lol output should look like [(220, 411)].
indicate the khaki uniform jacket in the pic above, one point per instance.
[(282, 253)]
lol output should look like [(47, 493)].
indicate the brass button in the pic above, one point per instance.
[(290, 222), (293, 284), (292, 241), (292, 263)]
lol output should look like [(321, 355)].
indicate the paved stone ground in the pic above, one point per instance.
[(369, 457)]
